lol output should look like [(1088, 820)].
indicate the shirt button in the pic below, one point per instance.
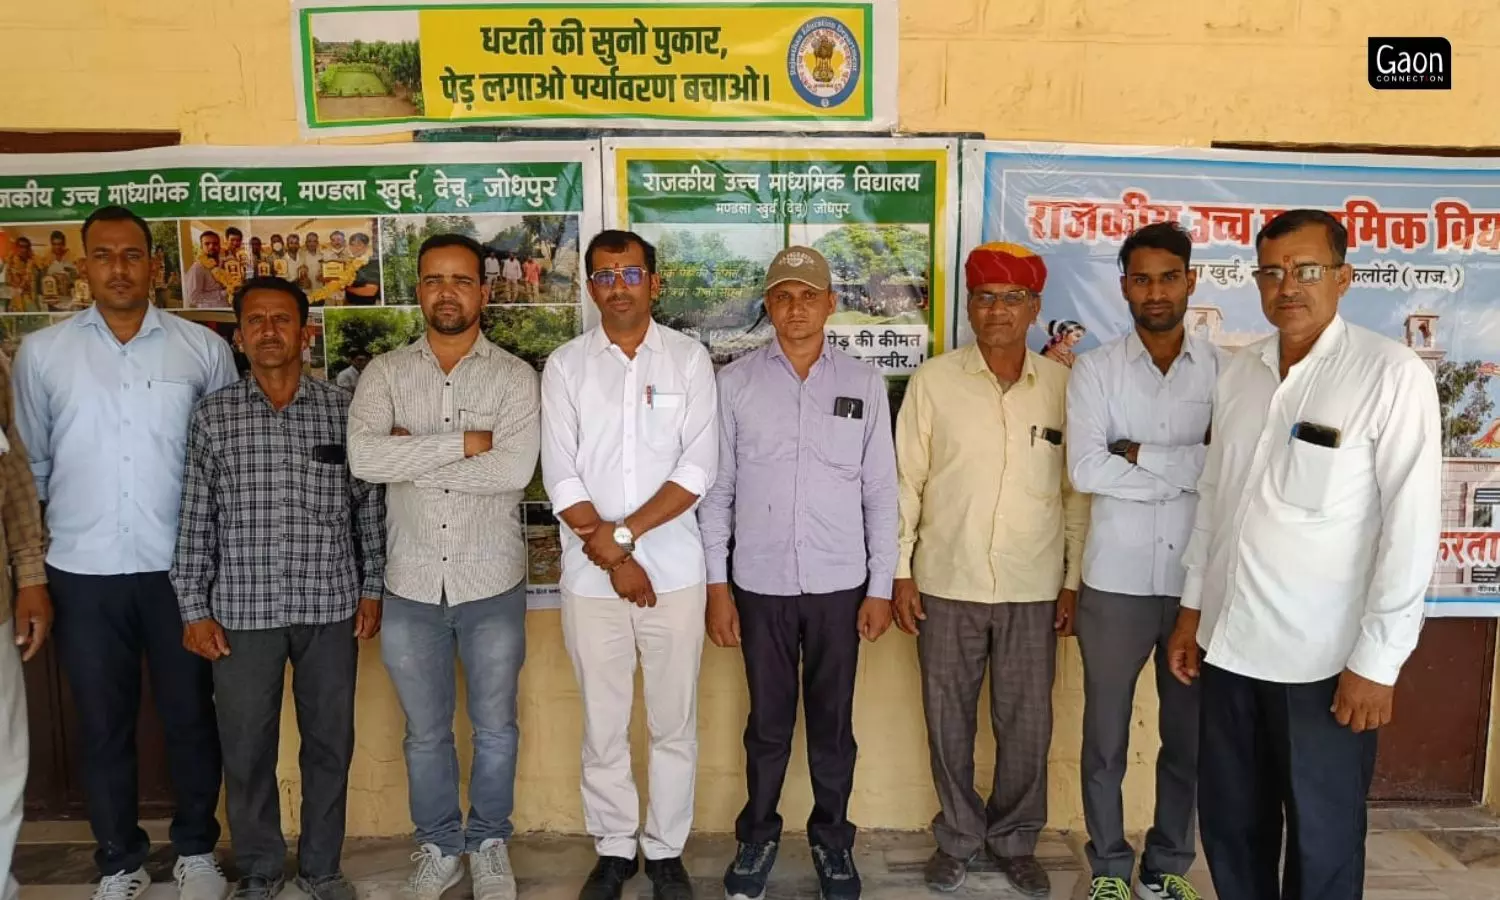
[(125, 422), (126, 529), (124, 493), (445, 524), (127, 385), (1160, 540), (447, 384), (446, 419), (445, 559), (127, 459)]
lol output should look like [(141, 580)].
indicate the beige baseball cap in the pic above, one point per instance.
[(802, 264)]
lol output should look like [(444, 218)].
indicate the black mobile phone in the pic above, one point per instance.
[(332, 454), (1317, 435), (849, 408), (1050, 435)]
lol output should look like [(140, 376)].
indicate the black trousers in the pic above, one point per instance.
[(248, 686), (1273, 754), (105, 624), (821, 631)]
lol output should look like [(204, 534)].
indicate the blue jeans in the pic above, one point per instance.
[(417, 645)]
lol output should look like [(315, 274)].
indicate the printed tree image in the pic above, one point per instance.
[(374, 329), (704, 280), (1465, 406), (531, 333), (880, 271)]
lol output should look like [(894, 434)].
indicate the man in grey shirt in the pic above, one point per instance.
[(805, 437), (451, 425)]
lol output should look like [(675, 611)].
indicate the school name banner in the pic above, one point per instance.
[(883, 212), (343, 223), (376, 66), (1424, 238)]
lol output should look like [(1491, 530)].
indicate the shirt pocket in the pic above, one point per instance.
[(661, 422), (171, 401), (1191, 419), (1320, 480), (1042, 472), (324, 491), (840, 442)]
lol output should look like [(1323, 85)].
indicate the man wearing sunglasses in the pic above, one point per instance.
[(630, 441), (988, 567), (1315, 538)]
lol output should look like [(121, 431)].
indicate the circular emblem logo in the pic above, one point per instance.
[(823, 62)]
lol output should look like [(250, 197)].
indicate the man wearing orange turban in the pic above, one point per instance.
[(992, 532)]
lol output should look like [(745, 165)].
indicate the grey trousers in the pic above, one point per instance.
[(1017, 642), (1117, 633), (248, 687)]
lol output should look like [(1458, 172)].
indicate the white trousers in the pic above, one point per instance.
[(14, 754), (603, 636)]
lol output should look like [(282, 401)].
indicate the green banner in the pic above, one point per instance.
[(871, 190), (415, 188)]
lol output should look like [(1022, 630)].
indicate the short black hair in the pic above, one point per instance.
[(358, 351), (335, 232), (359, 236), (207, 232), (616, 241), (453, 239), (231, 231), (1168, 236), (270, 283), (115, 214), (1296, 219), (57, 236), (23, 239)]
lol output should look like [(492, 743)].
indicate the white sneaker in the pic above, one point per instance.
[(123, 886), (489, 867), (199, 878), (434, 874)]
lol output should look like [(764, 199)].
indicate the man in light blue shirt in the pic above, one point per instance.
[(1138, 428), (103, 402)]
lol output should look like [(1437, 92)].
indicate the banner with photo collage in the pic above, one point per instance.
[(1424, 237), (883, 211), (345, 223)]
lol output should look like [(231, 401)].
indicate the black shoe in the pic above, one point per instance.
[(1026, 875), (608, 878), (945, 873), (746, 877), (669, 880), (838, 879)]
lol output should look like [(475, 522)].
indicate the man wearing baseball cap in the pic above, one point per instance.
[(805, 441), (989, 562)]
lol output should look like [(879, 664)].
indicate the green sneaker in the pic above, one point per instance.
[(1107, 888)]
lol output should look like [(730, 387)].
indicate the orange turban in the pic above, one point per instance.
[(1001, 263)]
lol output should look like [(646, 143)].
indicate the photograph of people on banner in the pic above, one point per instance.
[(1422, 235)]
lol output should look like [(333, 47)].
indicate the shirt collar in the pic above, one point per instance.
[(256, 392), (775, 351), (600, 342), (1135, 348), (974, 364), (481, 348), (92, 316), (1327, 343)]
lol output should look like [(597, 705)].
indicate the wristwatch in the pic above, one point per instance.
[(624, 538)]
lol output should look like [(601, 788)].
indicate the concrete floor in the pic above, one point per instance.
[(1421, 854)]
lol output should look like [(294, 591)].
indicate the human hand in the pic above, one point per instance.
[(206, 638), (1360, 704), (33, 617), (874, 618), (907, 605), (367, 618), (1183, 651), (1067, 612), (723, 619), (632, 583)]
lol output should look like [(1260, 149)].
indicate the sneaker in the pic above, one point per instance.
[(838, 879), (434, 873), (199, 878), (1026, 875), (669, 880), (123, 885), (945, 873), (608, 878), (1105, 887), (489, 867), (746, 877), (258, 887), (326, 887), (1153, 886)]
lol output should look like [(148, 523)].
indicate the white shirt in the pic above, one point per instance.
[(1307, 560), (1142, 514), (614, 430), (348, 379)]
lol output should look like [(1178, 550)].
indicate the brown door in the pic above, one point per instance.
[(54, 789), (1434, 748)]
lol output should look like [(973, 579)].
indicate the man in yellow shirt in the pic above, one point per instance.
[(990, 559)]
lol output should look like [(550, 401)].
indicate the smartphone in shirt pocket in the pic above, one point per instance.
[(1311, 466)]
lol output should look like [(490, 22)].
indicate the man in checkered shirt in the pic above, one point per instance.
[(280, 557)]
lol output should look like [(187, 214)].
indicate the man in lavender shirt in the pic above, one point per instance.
[(807, 486)]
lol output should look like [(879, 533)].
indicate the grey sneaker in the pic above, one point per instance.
[(123, 885), (257, 887), (945, 873), (199, 878), (327, 887), (434, 873), (1107, 888), (489, 867)]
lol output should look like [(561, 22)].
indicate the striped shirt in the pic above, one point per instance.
[(453, 524), (23, 540), (273, 530)]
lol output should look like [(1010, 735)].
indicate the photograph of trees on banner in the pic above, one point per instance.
[(367, 66), (530, 259), (718, 220)]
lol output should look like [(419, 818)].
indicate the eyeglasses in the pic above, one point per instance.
[(1306, 273), (632, 276), (987, 299)]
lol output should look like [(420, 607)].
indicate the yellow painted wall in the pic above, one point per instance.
[(1126, 71)]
